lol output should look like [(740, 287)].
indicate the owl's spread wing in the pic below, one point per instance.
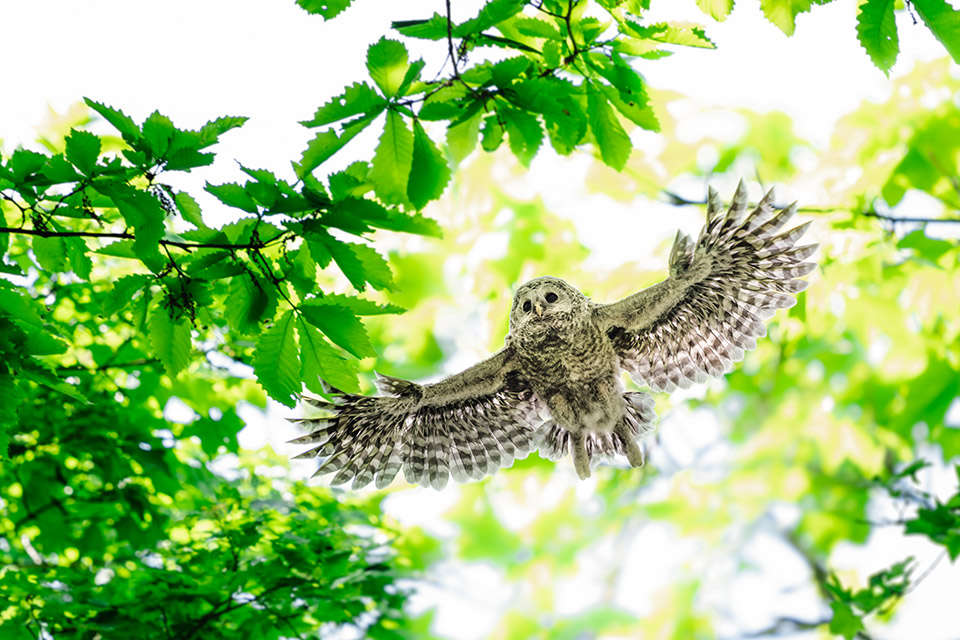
[(468, 425), (701, 319)]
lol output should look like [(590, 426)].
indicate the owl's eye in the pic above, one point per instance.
[(551, 297), (526, 306)]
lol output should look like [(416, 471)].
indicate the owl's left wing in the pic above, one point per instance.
[(701, 319), (468, 425)]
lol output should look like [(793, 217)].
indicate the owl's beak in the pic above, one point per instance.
[(539, 309)]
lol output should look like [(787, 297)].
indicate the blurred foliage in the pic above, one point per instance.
[(131, 332)]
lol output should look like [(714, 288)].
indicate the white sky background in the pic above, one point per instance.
[(197, 60)]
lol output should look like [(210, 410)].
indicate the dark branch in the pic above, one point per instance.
[(129, 236)]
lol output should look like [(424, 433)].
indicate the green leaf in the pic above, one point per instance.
[(566, 122), (612, 141), (51, 253), (77, 252), (276, 361), (358, 98), (492, 12), (58, 169), (10, 400), (145, 213), (24, 163), (370, 212), (320, 361), (845, 622), (250, 300), (157, 131), (524, 131), (326, 143), (492, 133), (341, 326), (123, 293), (169, 339), (359, 306), (392, 160), (329, 9), (359, 263), (232, 195), (634, 106), (83, 149), (552, 54), (123, 123), (189, 209), (387, 63), (783, 13), (462, 137), (210, 133), (429, 173), (877, 32), (688, 35), (434, 28), (536, 28), (944, 21), (716, 9)]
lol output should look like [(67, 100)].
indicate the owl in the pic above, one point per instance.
[(556, 384)]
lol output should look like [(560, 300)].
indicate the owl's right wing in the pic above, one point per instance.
[(700, 320), (468, 425)]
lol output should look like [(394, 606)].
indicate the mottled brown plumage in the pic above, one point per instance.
[(555, 386)]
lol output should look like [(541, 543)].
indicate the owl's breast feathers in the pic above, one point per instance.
[(572, 366)]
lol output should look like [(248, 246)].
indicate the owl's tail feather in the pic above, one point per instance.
[(554, 441)]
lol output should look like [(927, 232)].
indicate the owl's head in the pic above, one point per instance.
[(544, 301)]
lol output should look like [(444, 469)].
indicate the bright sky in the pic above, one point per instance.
[(268, 60)]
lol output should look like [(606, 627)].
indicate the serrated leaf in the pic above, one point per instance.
[(358, 98), (24, 162), (566, 122), (783, 13), (492, 12), (232, 195), (300, 270), (123, 293), (612, 141), (77, 252), (249, 301), (329, 9), (374, 214), (169, 339), (716, 9), (877, 32), (210, 133), (680, 33), (524, 133), (392, 160), (387, 62), (536, 28), (276, 361), (944, 22), (51, 253), (189, 209), (635, 107), (552, 54), (123, 123), (462, 137), (429, 173), (433, 28), (83, 149), (58, 169), (157, 131), (359, 306), (341, 326), (144, 212), (492, 133), (326, 143), (359, 263), (320, 361)]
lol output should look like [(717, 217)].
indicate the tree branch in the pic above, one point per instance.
[(129, 236)]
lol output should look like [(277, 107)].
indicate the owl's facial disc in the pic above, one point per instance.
[(540, 300)]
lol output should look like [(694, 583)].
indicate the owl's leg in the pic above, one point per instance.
[(581, 461), (634, 454)]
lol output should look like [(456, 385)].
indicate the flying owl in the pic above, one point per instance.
[(556, 384)]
